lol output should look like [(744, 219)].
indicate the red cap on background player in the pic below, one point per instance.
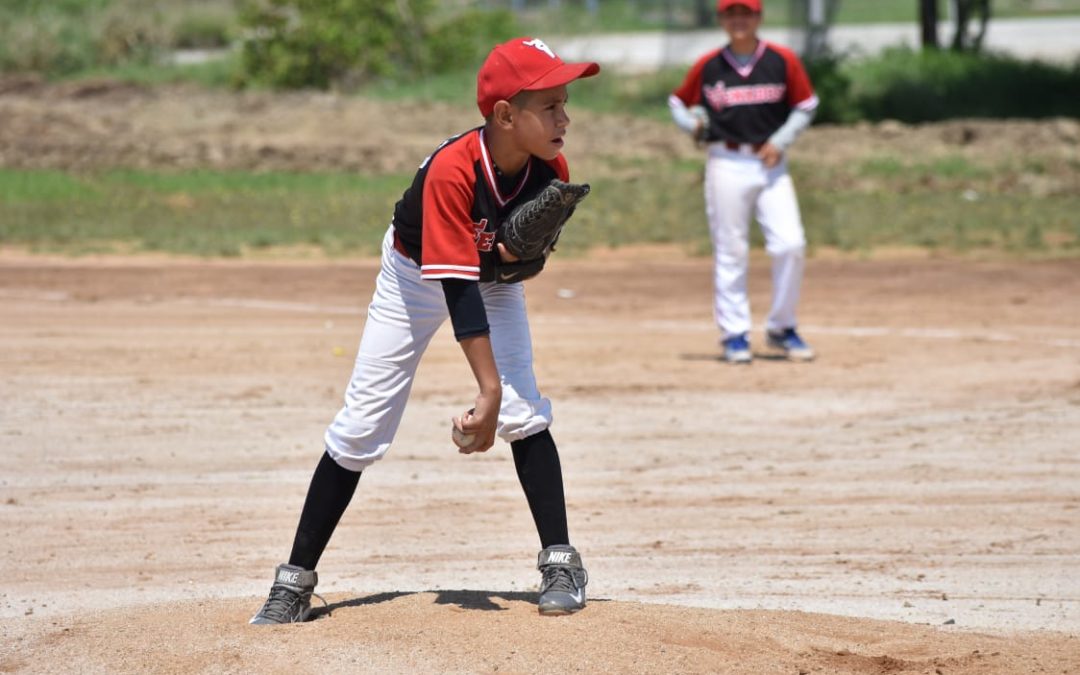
[(752, 5), (523, 64)]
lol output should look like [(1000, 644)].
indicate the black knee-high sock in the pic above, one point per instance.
[(331, 489), (537, 462)]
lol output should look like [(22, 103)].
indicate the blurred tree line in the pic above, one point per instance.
[(320, 42), (343, 43), (348, 44)]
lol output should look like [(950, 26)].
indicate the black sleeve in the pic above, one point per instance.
[(466, 306)]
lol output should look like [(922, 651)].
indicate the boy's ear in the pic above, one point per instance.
[(503, 114)]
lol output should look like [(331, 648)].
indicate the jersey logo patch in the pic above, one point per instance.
[(720, 96), (485, 241)]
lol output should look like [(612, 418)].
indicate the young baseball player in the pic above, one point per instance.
[(440, 259), (747, 102)]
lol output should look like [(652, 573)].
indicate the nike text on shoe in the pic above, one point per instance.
[(290, 596), (737, 349), (562, 588), (789, 342)]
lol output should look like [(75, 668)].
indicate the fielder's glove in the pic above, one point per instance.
[(531, 230)]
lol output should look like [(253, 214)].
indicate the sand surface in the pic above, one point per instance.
[(910, 502)]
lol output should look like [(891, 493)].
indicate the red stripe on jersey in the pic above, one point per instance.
[(448, 231), (800, 93), (489, 173), (689, 92), (450, 272), (562, 169)]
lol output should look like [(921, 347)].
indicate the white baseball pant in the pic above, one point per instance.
[(738, 187), (403, 316)]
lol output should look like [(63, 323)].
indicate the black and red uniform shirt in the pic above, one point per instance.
[(447, 218), (747, 103)]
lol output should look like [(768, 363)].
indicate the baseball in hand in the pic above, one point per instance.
[(461, 438)]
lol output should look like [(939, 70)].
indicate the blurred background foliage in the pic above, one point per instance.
[(430, 49), (347, 43), (928, 85)]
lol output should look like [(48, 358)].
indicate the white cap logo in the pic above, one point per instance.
[(537, 43)]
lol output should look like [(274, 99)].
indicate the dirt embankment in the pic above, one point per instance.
[(93, 125)]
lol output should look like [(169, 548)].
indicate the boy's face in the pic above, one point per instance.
[(740, 22), (540, 121)]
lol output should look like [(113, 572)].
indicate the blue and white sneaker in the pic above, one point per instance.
[(789, 342), (737, 349)]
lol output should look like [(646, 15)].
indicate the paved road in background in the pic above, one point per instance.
[(1051, 39)]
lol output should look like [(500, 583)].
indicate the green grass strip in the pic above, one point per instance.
[(223, 214)]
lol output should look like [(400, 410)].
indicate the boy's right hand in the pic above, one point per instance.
[(702, 117), (480, 422)]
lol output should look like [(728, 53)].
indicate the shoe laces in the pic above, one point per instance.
[(560, 578), (281, 601)]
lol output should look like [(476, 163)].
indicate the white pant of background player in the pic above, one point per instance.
[(404, 315), (739, 188)]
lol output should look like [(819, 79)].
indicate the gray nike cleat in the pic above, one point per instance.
[(562, 589), (290, 596)]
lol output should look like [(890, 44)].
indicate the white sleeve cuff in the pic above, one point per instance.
[(685, 118)]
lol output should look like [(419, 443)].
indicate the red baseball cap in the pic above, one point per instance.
[(752, 5), (523, 64)]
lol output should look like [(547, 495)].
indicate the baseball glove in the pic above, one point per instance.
[(530, 232)]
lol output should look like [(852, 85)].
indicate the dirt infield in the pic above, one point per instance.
[(909, 503)]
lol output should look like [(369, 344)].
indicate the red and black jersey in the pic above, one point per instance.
[(447, 218), (748, 103)]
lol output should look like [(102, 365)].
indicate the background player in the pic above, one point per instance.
[(748, 102), (440, 259)]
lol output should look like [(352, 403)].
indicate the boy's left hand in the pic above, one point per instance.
[(506, 255), (770, 155), (512, 269), (531, 230)]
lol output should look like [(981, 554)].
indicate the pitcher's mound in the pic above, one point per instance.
[(487, 632)]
